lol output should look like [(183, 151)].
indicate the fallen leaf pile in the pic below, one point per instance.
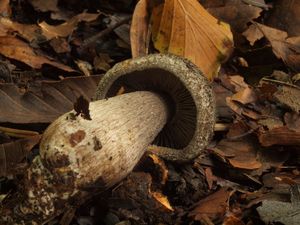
[(51, 55)]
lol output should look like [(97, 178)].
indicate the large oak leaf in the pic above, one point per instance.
[(185, 28), (54, 99)]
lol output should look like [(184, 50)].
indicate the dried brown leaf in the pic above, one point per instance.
[(187, 29), (221, 93), (54, 99), (253, 34), (210, 178), (13, 153), (289, 96), (14, 48), (66, 28), (102, 62), (279, 136), (232, 220), (236, 13), (44, 6), (245, 96), (287, 49), (241, 146), (214, 206), (60, 45), (139, 29), (286, 17), (292, 121), (29, 32), (5, 9)]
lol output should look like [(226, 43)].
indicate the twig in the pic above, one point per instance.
[(221, 126), (17, 132), (91, 40), (257, 4), (280, 82)]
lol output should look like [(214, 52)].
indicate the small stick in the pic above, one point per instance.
[(221, 126), (91, 40), (17, 132)]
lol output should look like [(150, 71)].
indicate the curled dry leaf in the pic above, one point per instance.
[(287, 49), (54, 99), (162, 199), (66, 28), (139, 29), (163, 170), (13, 153), (14, 48), (185, 28)]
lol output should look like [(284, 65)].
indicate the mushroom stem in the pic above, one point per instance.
[(78, 155)]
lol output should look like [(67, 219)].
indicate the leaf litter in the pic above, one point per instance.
[(248, 49)]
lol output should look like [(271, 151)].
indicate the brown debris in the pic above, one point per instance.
[(235, 12), (50, 101), (76, 137), (213, 206), (43, 42), (279, 136), (12, 153), (16, 49)]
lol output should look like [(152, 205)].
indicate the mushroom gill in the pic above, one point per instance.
[(181, 125)]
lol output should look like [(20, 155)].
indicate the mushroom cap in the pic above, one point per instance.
[(188, 95)]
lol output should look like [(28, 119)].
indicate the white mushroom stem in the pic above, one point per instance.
[(77, 154)]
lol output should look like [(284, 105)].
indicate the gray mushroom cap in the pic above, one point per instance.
[(186, 91)]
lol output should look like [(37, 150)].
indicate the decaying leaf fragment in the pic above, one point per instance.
[(185, 28), (44, 6), (162, 199), (139, 29), (240, 152), (284, 47), (66, 28), (13, 153), (237, 13), (30, 32), (54, 99), (213, 206), (5, 9), (14, 48)]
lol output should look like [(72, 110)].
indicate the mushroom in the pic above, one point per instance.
[(168, 103), (186, 92)]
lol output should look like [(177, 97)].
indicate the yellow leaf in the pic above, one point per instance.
[(187, 29), (162, 199)]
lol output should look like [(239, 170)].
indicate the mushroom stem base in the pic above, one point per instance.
[(80, 156)]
